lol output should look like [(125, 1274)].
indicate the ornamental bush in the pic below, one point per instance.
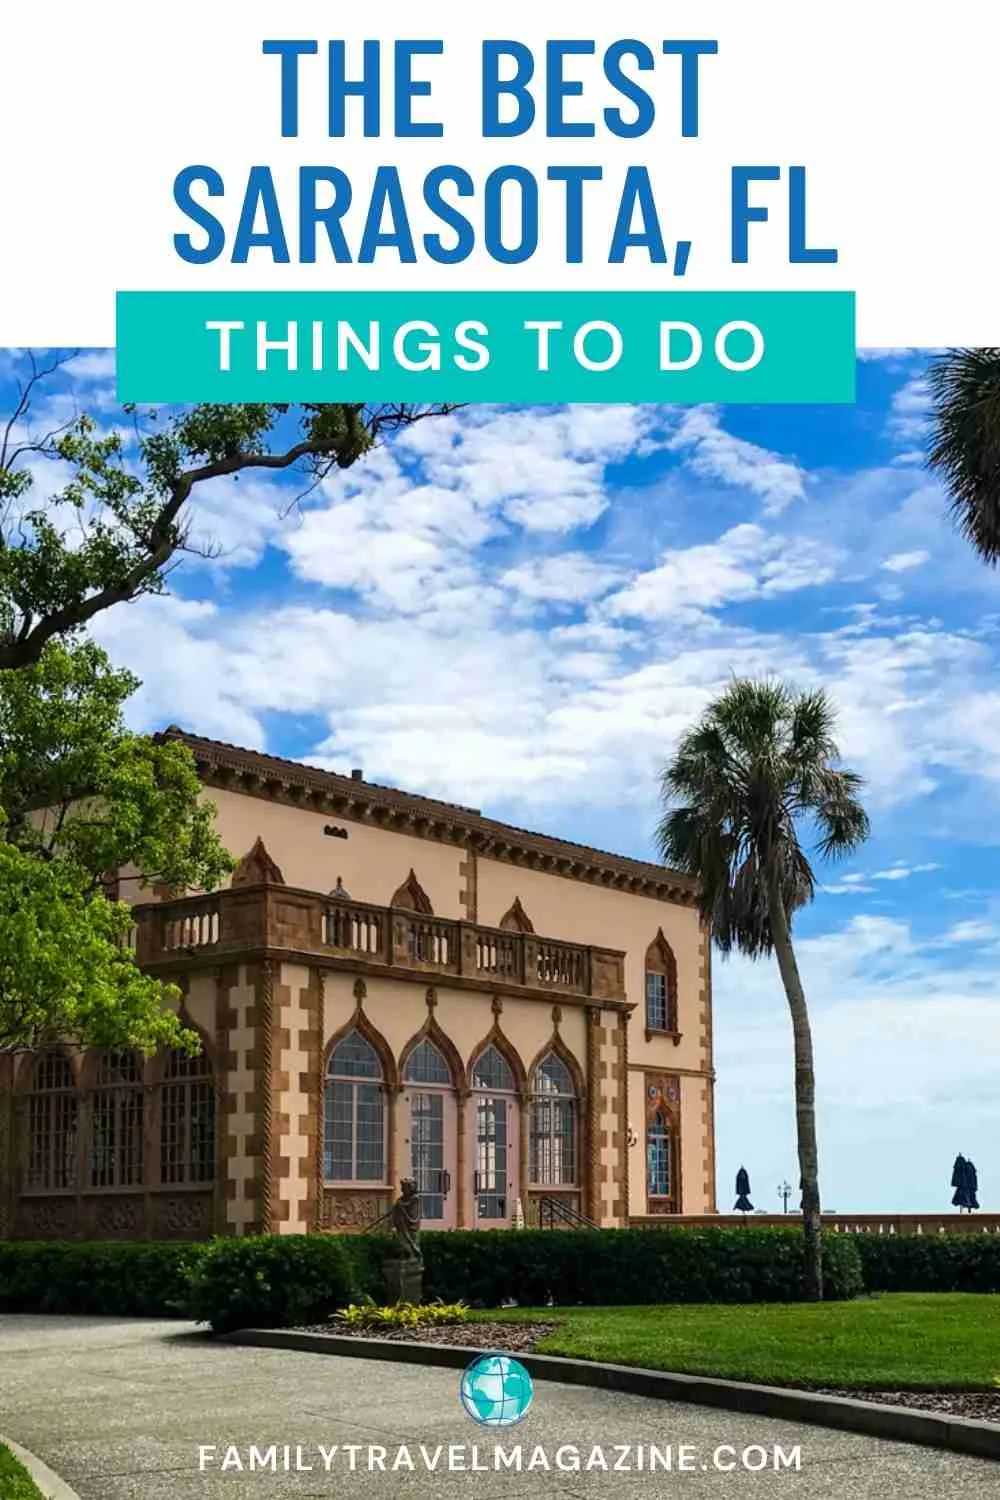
[(128, 1279), (270, 1281), (930, 1262)]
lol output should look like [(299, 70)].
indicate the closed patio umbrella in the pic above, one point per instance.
[(965, 1181), (743, 1204)]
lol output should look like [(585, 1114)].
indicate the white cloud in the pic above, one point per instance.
[(568, 578), (903, 562), (713, 453), (909, 411), (745, 563)]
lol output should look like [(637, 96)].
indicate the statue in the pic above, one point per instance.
[(405, 1219)]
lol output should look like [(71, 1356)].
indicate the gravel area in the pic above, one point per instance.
[(516, 1338), (977, 1406), (524, 1338)]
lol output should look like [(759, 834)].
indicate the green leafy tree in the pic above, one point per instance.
[(760, 767), (109, 531), (83, 798), (80, 797), (964, 448)]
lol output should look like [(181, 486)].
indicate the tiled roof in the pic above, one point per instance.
[(217, 756)]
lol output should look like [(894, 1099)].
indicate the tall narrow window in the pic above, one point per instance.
[(659, 1176), (53, 1116), (187, 1120), (661, 986), (494, 1178), (552, 1153), (431, 1116), (354, 1115), (116, 1132)]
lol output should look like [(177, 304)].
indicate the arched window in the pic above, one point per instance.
[(491, 1070), (425, 1064), (661, 986), (659, 1175), (187, 1120), (53, 1117), (116, 1133), (354, 1116), (552, 1154), (431, 1126)]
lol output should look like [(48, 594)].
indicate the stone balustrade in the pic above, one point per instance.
[(249, 919)]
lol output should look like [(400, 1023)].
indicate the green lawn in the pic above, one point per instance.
[(15, 1481), (915, 1341)]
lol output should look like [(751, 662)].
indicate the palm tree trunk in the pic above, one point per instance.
[(805, 1091)]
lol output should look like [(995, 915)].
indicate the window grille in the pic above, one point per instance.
[(187, 1120), (116, 1129), (354, 1113), (552, 1124), (53, 1121)]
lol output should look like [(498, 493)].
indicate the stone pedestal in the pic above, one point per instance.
[(404, 1280)]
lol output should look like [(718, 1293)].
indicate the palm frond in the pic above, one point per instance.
[(964, 448), (760, 760)]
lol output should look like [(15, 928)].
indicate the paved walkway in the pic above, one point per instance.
[(119, 1409)]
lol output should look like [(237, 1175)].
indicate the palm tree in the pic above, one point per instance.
[(964, 447), (761, 764)]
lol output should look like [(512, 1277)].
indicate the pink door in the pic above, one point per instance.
[(495, 1184), (429, 1150)]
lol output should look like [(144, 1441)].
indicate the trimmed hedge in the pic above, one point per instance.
[(631, 1266), (127, 1279), (270, 1281), (286, 1280), (930, 1262)]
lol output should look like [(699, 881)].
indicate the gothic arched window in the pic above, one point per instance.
[(553, 1124), (354, 1115)]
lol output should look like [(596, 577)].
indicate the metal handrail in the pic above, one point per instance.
[(557, 1208)]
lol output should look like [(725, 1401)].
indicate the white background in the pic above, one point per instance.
[(891, 107)]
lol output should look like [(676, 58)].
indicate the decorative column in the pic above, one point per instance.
[(592, 1154), (462, 1158), (265, 1098)]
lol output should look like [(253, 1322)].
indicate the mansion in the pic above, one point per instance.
[(390, 986)]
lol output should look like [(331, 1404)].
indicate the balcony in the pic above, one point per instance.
[(280, 920)]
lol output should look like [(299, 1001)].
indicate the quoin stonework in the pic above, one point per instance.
[(390, 986)]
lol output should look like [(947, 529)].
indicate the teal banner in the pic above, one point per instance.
[(762, 347)]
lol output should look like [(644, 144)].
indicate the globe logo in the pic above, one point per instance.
[(496, 1390)]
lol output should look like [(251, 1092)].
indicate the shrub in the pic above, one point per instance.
[(127, 1280), (930, 1262), (631, 1266), (402, 1315), (270, 1281)]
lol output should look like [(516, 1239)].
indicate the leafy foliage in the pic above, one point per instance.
[(369, 1316), (287, 1280), (930, 1262), (81, 798), (615, 1267), (124, 1280), (110, 529), (964, 449), (269, 1281)]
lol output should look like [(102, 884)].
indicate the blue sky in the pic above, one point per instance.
[(520, 609)]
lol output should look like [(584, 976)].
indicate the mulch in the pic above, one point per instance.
[(513, 1338), (524, 1338)]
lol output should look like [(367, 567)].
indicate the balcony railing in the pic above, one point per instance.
[(249, 918)]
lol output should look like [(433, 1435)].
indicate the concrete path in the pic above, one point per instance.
[(120, 1410)]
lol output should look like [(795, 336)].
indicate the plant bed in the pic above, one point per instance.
[(510, 1338)]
